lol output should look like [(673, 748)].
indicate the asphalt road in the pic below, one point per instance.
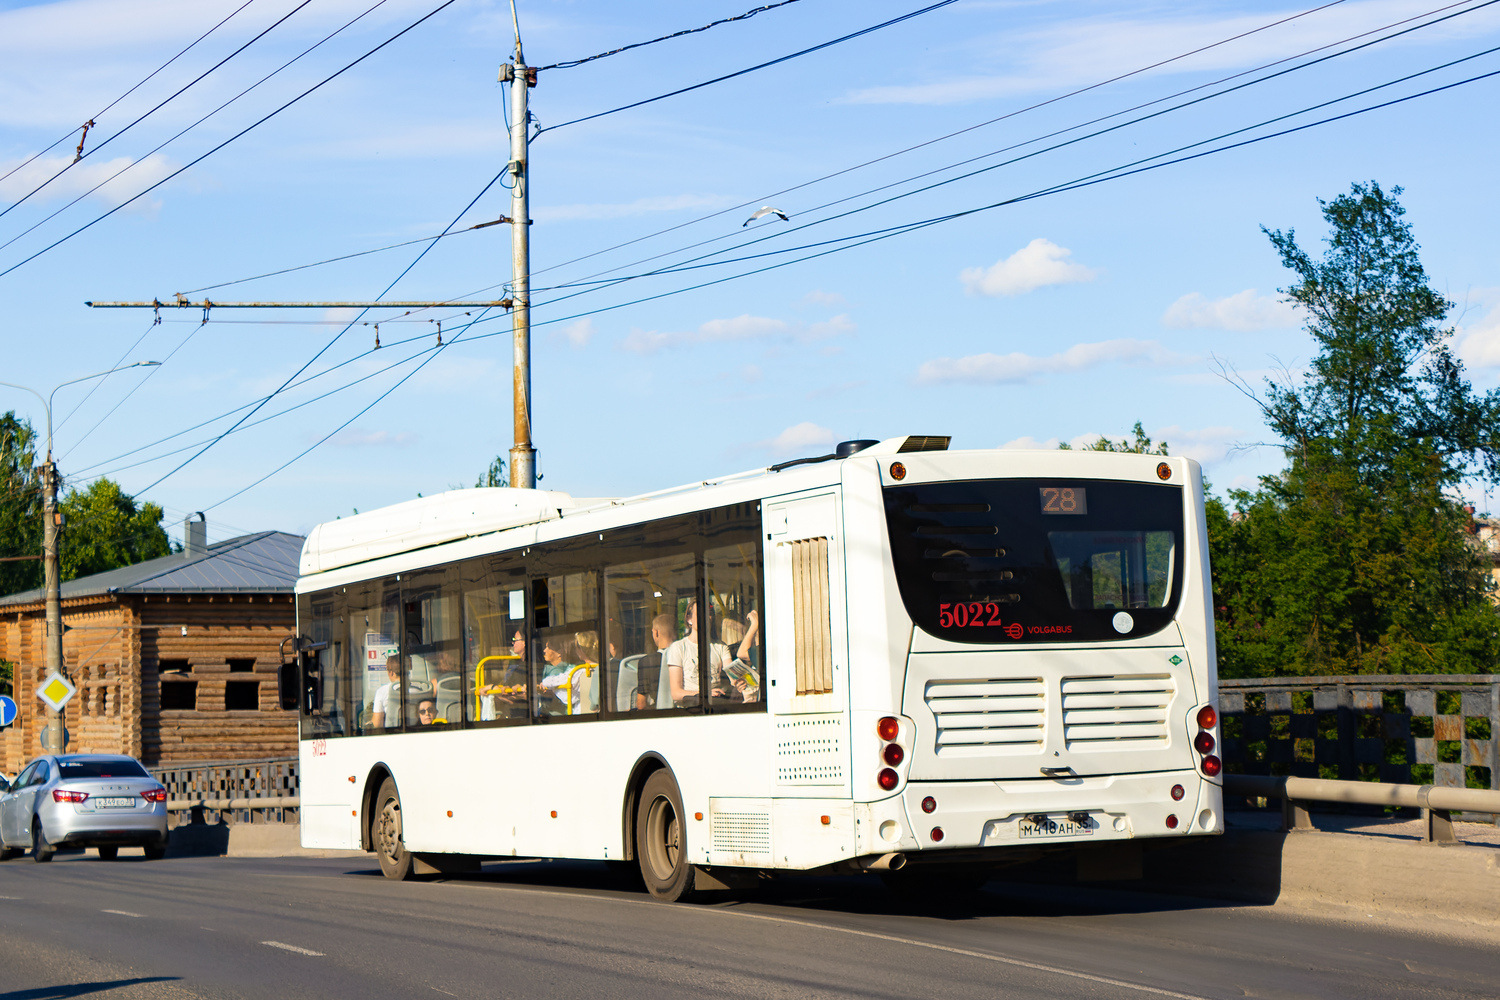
[(332, 928)]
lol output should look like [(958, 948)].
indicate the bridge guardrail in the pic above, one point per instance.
[(1438, 803)]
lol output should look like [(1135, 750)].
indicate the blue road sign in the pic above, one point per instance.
[(7, 711)]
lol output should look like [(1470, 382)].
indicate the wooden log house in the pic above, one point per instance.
[(174, 658)]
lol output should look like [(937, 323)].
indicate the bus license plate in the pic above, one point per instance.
[(115, 803), (1032, 827)]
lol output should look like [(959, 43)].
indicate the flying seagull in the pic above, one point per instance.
[(763, 211)]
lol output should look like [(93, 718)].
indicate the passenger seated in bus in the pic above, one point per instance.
[(648, 669), (682, 665), (386, 709), (503, 693), (427, 712), (560, 655), (744, 670)]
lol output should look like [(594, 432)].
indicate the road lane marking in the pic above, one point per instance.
[(985, 956), (292, 947), (121, 913), (967, 953)]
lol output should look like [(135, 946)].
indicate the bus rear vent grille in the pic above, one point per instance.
[(1006, 715), (742, 832), (1107, 712), (810, 750)]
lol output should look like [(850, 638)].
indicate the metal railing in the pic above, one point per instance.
[(255, 791), (1437, 803)]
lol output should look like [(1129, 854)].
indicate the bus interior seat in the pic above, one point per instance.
[(625, 684), (450, 697)]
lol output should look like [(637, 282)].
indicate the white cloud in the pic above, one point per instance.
[(1243, 312), (1202, 444), (578, 334), (355, 437), (800, 439), (738, 328), (117, 180), (995, 369), (818, 297), (641, 206), (1036, 265), (1478, 343), (1029, 443)]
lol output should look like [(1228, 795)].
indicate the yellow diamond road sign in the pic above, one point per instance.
[(56, 691)]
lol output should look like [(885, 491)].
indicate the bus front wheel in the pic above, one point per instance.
[(661, 840), (395, 859)]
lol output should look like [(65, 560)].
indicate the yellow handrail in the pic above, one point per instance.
[(567, 685), (479, 677)]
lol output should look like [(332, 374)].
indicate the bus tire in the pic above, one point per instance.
[(385, 833), (661, 845)]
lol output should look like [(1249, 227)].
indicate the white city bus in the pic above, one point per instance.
[(913, 657)]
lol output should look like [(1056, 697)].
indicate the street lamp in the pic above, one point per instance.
[(52, 737)]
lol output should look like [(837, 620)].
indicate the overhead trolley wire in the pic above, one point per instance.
[(82, 155), (483, 191), (256, 124), (752, 69), (676, 34), (950, 135), (780, 233), (100, 113)]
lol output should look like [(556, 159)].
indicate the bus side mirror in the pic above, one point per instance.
[(288, 686)]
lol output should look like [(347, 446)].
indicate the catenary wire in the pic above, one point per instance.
[(780, 232), (676, 34), (194, 162), (106, 378), (858, 166), (146, 79), (171, 139), (425, 250), (83, 156), (942, 138), (752, 69)]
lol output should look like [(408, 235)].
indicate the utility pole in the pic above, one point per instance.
[(53, 736), (521, 78), (52, 580)]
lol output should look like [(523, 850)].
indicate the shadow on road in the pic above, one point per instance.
[(82, 989)]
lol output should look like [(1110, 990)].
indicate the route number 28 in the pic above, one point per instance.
[(1061, 500)]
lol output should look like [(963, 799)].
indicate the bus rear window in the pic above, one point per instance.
[(997, 561)]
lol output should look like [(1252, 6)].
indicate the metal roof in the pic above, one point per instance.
[(262, 563)]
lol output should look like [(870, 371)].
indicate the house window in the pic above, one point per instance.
[(178, 692), (242, 696), (241, 666)]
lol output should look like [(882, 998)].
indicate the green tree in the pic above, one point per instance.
[(105, 529), (1142, 445), (1355, 559), (496, 475), (20, 506)]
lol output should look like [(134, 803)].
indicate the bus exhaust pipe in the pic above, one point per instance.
[(893, 862)]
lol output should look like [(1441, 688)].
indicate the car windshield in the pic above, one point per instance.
[(121, 768)]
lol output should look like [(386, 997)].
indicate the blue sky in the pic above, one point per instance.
[(1054, 318)]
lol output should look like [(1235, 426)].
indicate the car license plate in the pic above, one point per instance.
[(119, 802), (1032, 827)]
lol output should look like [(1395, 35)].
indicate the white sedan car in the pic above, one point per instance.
[(83, 800)]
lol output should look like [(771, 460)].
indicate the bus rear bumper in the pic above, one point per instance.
[(1041, 812)]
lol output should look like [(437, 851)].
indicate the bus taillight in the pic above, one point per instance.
[(893, 754), (1212, 766), (1207, 717), (888, 779), (888, 728), (1204, 742)]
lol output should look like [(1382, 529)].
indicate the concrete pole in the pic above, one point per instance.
[(522, 455), (56, 722)]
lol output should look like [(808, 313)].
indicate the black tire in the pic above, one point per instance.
[(661, 843), (385, 833), (6, 853), (157, 851), (109, 852), (41, 848)]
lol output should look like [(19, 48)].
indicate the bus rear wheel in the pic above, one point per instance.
[(661, 840), (395, 859)]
